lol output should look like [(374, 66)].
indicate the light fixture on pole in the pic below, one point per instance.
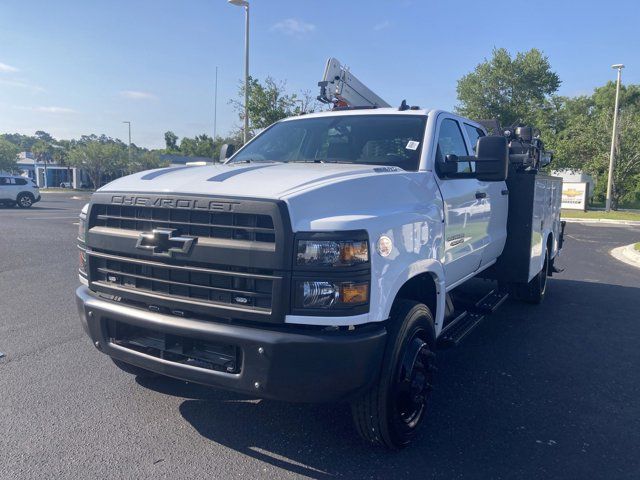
[(619, 67), (129, 124), (245, 4)]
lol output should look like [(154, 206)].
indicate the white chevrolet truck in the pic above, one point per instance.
[(320, 262)]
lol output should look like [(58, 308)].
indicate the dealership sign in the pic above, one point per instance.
[(574, 195)]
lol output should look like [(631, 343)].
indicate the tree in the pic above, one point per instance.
[(584, 142), (23, 142), (146, 160), (99, 158), (199, 146), (60, 155), (170, 140), (268, 103), (44, 136), (511, 90), (306, 102), (42, 152), (8, 156)]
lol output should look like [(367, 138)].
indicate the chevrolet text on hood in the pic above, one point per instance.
[(184, 203), (320, 262)]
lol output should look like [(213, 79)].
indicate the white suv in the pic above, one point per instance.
[(16, 190)]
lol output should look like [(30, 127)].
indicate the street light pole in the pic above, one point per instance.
[(618, 67), (245, 4), (215, 108), (129, 124)]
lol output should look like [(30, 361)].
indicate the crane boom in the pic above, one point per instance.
[(341, 87)]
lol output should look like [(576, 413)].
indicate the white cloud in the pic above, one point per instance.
[(54, 110), (293, 26), (4, 68), (21, 84), (382, 25), (137, 95)]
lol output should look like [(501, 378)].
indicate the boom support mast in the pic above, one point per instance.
[(341, 88)]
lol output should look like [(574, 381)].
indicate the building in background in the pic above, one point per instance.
[(56, 175)]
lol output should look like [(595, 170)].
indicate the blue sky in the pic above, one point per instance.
[(78, 67)]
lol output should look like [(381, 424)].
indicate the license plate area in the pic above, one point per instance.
[(175, 348)]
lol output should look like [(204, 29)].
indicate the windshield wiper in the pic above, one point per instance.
[(322, 161), (252, 160)]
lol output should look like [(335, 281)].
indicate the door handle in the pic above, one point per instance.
[(481, 195), (505, 192)]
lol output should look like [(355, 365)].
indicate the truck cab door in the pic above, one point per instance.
[(466, 209), (497, 201)]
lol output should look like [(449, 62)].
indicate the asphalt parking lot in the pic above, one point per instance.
[(551, 391)]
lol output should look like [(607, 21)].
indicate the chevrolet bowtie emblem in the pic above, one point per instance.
[(165, 242)]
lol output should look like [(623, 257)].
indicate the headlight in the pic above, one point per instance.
[(332, 253), (82, 223), (331, 294), (82, 228), (82, 235), (82, 262)]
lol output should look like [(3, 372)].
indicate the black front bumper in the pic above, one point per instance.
[(285, 364)]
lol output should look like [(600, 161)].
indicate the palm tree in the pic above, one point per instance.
[(41, 152), (60, 155)]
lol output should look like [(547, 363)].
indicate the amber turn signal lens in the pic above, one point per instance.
[(354, 252), (354, 292)]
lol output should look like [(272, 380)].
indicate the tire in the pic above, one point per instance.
[(390, 413), (534, 291), (25, 200), (133, 370)]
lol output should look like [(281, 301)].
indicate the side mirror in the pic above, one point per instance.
[(448, 165), (226, 151), (492, 162)]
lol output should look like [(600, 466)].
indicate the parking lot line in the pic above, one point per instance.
[(42, 217)]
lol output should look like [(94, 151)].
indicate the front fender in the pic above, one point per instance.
[(389, 292)]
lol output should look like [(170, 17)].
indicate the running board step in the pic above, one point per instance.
[(456, 331), (491, 301), (465, 322)]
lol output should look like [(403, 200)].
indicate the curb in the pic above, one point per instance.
[(604, 221), (60, 192), (627, 254)]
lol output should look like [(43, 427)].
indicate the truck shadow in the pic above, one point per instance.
[(524, 396)]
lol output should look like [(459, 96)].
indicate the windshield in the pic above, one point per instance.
[(393, 140)]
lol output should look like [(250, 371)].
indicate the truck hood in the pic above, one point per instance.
[(256, 180)]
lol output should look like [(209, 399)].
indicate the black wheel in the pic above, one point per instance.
[(133, 370), (535, 290), (25, 200), (392, 410)]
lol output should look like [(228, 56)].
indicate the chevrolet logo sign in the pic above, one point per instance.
[(165, 242)]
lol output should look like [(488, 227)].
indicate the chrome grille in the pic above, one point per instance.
[(238, 266), (246, 288), (224, 225)]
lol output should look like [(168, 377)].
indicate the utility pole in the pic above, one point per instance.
[(215, 108), (245, 4), (129, 123), (618, 67)]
